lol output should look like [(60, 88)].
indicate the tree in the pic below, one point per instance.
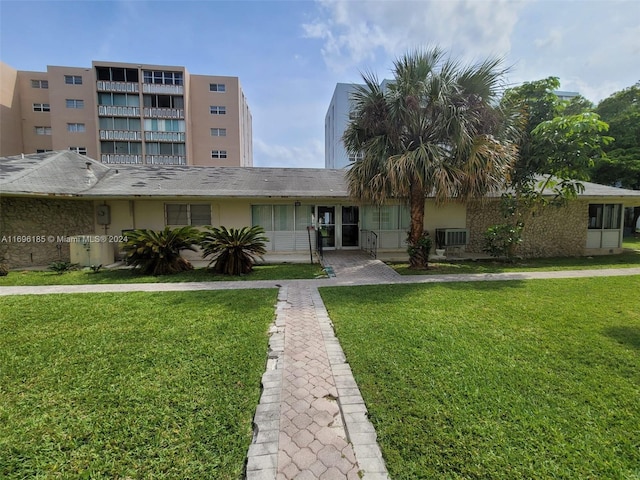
[(233, 251), (159, 253), (621, 111), (434, 130)]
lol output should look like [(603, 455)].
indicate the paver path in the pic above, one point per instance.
[(311, 422)]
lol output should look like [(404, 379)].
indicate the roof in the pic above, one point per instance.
[(66, 173)]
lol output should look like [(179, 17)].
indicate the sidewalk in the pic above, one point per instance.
[(311, 422)]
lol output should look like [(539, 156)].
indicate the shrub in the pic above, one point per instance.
[(61, 267), (502, 240), (4, 270), (233, 251), (158, 253)]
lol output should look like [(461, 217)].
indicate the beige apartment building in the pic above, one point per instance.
[(121, 113)]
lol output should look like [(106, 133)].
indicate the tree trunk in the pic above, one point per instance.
[(417, 258)]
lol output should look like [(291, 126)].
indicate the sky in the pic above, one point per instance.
[(289, 54)]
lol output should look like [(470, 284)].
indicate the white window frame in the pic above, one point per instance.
[(43, 130), (39, 83), (80, 150), (188, 213), (74, 103), (218, 87), (73, 79), (41, 107), (76, 127), (218, 154), (218, 132), (218, 110)]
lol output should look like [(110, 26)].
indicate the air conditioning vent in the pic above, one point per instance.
[(451, 237)]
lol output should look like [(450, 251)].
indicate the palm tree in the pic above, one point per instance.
[(233, 251), (159, 252), (435, 130)]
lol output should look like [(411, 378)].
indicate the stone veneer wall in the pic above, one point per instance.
[(553, 233), (45, 221)]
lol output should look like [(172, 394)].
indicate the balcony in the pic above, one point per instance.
[(121, 158), (164, 136), (166, 159), (118, 111), (122, 87), (120, 135), (163, 112), (159, 88)]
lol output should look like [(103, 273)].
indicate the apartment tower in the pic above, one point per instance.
[(120, 113)]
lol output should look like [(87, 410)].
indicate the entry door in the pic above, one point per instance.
[(327, 226), (350, 229)]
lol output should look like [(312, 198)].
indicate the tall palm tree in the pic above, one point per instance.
[(436, 129)]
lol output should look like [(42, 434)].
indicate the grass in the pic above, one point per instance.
[(83, 277), (630, 258), (130, 385), (498, 380)]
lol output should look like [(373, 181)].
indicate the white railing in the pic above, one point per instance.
[(126, 87), (164, 112), (159, 88), (164, 136), (120, 135), (121, 158), (165, 159), (118, 111)]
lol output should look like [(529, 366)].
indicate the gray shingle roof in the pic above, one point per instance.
[(68, 173)]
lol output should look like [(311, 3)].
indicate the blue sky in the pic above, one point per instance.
[(290, 54)]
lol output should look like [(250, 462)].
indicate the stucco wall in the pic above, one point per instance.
[(30, 229), (555, 232)]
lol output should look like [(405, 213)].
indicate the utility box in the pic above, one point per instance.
[(88, 250)]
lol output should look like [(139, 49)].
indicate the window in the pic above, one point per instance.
[(118, 99), (354, 157), (218, 154), (218, 110), (76, 127), (41, 107), (39, 83), (161, 125), (187, 214), (162, 77), (124, 148), (119, 123), (163, 148), (218, 132), (117, 74), (73, 79), (282, 217), (75, 103), (605, 216), (163, 101), (43, 150), (217, 87), (80, 150), (43, 130)]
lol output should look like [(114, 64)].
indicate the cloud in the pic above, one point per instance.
[(310, 155), (356, 32)]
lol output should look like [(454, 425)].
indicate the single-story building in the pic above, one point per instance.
[(51, 202)]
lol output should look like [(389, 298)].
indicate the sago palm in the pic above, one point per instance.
[(233, 251), (158, 252), (434, 130)]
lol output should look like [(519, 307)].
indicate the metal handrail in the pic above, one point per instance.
[(369, 242)]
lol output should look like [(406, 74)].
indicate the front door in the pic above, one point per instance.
[(350, 228), (327, 226)]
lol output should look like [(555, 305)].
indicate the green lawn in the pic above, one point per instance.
[(130, 385), (628, 259), (498, 380), (81, 277)]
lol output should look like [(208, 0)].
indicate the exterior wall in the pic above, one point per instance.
[(553, 233), (10, 119), (31, 142), (452, 215), (335, 123), (46, 222)]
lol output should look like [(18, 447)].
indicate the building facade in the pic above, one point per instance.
[(122, 113)]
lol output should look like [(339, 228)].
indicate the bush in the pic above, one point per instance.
[(62, 267), (502, 240), (158, 253), (233, 251), (4, 270)]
